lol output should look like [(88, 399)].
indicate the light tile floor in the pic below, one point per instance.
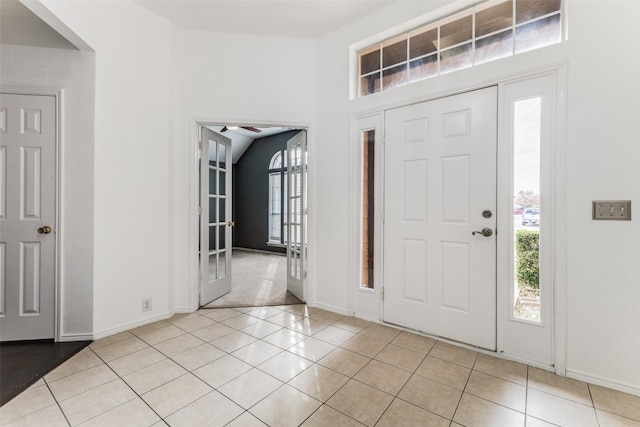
[(292, 366)]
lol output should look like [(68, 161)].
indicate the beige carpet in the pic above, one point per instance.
[(257, 279)]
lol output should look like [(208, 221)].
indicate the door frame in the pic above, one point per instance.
[(194, 220), (557, 171), (58, 94)]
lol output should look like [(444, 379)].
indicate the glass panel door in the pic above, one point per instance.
[(295, 230), (215, 191)]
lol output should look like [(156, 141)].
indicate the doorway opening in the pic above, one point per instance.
[(252, 205)]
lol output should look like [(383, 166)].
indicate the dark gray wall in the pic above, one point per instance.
[(251, 192)]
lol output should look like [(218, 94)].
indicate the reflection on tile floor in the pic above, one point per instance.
[(300, 366)]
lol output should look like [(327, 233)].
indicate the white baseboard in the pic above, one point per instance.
[(126, 326), (75, 337), (603, 382), (182, 310), (329, 308)]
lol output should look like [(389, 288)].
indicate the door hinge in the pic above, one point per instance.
[(199, 210), (382, 294), (200, 145)]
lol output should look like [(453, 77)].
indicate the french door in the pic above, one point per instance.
[(440, 217), (27, 216), (296, 218), (215, 218)]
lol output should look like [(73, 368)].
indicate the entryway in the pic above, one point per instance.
[(221, 282)]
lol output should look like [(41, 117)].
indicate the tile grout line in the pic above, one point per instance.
[(55, 400), (464, 388)]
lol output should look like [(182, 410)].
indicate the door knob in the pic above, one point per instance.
[(44, 230), (231, 223), (486, 232)]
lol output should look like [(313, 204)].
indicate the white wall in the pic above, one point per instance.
[(602, 149), (243, 78), (132, 109), (72, 71)]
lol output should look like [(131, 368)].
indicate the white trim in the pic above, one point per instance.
[(58, 234), (132, 325), (75, 337), (603, 382), (194, 220)]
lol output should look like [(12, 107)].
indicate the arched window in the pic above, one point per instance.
[(277, 201)]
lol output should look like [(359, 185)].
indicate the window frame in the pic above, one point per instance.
[(446, 16)]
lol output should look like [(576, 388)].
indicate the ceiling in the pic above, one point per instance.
[(241, 139), (293, 18)]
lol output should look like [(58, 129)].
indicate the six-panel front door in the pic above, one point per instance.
[(215, 218), (27, 216), (440, 188)]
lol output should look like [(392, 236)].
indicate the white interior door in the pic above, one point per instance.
[(295, 224), (440, 187), (27, 216), (215, 219)]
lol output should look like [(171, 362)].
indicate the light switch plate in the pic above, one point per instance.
[(616, 210)]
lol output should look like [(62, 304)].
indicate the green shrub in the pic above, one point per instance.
[(528, 258)]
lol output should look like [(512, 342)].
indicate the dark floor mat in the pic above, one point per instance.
[(22, 363)]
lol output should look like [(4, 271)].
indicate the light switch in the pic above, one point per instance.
[(619, 210)]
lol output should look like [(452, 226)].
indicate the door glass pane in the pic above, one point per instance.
[(222, 264), (222, 213), (212, 179), (223, 183), (213, 269), (527, 219), (222, 236), (222, 155), (212, 238), (212, 209), (212, 152)]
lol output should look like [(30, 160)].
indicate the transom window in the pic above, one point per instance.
[(486, 32)]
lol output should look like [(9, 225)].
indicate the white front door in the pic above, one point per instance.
[(27, 216), (215, 218), (440, 188), (296, 221)]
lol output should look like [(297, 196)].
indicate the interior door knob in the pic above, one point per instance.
[(486, 232), (44, 230), (231, 223)]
